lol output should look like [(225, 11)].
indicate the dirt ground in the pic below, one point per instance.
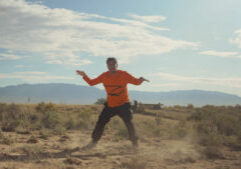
[(34, 151)]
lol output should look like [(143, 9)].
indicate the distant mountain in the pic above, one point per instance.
[(185, 97), (76, 94), (53, 92)]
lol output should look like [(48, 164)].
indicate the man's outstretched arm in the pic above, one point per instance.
[(91, 82), (136, 81)]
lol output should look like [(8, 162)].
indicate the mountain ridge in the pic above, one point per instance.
[(77, 94)]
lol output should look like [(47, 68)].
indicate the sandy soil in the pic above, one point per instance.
[(65, 152)]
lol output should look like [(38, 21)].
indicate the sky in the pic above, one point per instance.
[(176, 44)]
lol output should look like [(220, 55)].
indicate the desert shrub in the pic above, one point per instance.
[(225, 123), (178, 107), (190, 106), (59, 129), (214, 124), (81, 120), (85, 115), (100, 101), (3, 108), (207, 127), (14, 116), (94, 108), (6, 139), (149, 128), (43, 107), (232, 141), (10, 117), (34, 120), (13, 112), (23, 130), (212, 152), (81, 124), (76, 124), (50, 120), (44, 134), (208, 134), (10, 125), (71, 124), (228, 124), (24, 118), (31, 150), (210, 139)]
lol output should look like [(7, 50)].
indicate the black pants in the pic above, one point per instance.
[(107, 113)]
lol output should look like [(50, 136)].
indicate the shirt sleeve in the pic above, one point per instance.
[(95, 81), (131, 79)]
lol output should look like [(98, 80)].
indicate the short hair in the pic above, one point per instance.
[(111, 59)]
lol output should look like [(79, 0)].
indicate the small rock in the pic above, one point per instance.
[(64, 138), (32, 140), (72, 161)]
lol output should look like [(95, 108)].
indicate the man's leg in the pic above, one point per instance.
[(104, 118), (126, 115)]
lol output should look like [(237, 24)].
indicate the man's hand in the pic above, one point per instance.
[(81, 73), (143, 79)]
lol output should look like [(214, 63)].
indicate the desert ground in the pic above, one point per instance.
[(52, 136)]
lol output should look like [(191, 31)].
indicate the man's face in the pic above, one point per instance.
[(112, 65)]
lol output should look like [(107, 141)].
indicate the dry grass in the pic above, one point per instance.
[(6, 139), (46, 135)]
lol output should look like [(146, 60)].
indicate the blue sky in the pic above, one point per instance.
[(177, 45)]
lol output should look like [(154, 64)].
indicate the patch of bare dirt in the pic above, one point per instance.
[(65, 152)]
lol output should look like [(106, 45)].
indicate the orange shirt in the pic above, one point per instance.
[(115, 86)]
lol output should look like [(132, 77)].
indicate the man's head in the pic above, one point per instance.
[(111, 63)]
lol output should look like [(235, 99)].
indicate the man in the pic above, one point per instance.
[(118, 103)]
